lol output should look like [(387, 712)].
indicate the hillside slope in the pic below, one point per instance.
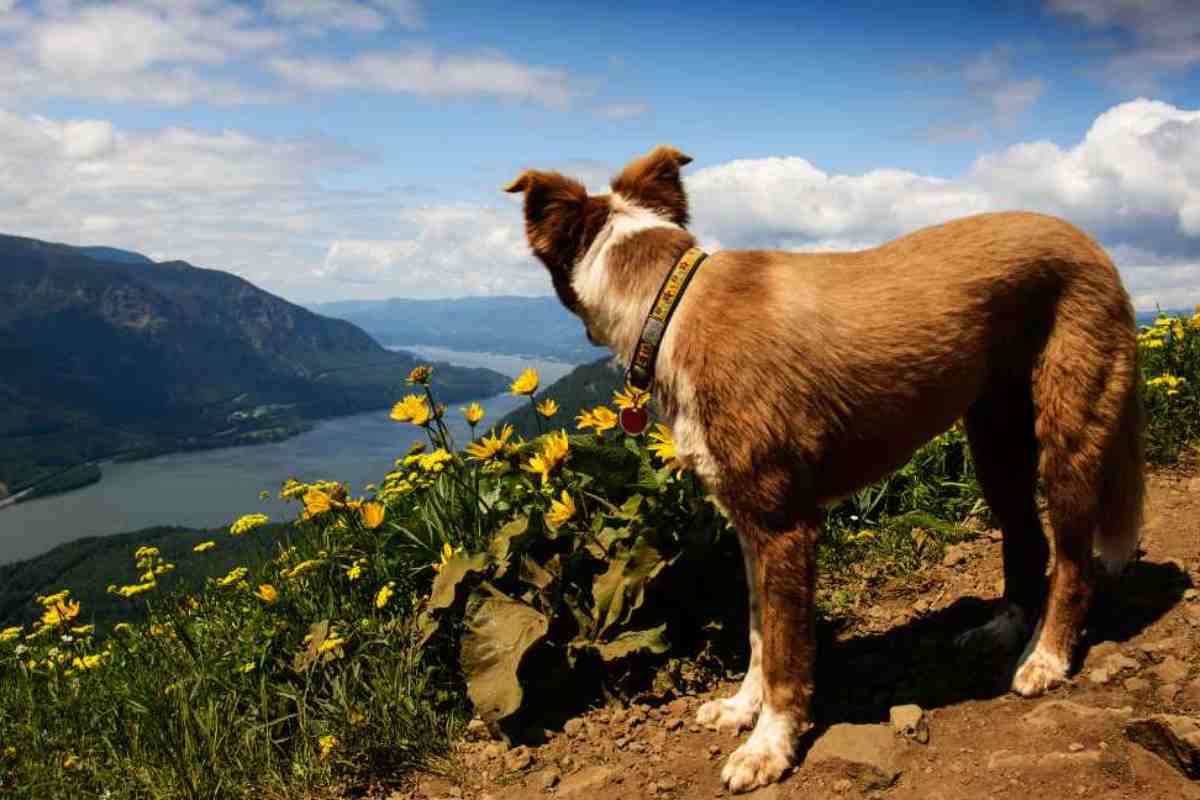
[(102, 357)]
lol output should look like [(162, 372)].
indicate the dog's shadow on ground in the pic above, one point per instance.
[(861, 678)]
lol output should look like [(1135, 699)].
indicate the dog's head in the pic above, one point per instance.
[(562, 221)]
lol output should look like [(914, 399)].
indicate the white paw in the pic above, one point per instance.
[(1038, 672), (765, 757), (732, 714), (1006, 631)]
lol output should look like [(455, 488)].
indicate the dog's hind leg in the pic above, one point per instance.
[(738, 713), (786, 584), (1085, 393), (1004, 449)]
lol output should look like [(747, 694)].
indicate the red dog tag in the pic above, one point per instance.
[(634, 420)]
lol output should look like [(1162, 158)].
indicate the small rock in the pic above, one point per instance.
[(867, 753), (666, 784), (995, 535), (909, 721), (567, 762), (1166, 693), (1191, 694), (1190, 594), (1075, 747), (574, 727), (1118, 661), (1170, 670), (714, 750), (518, 758), (1007, 759), (1136, 684), (477, 730), (621, 742), (617, 717), (1173, 738), (1161, 646), (1052, 713), (550, 779), (635, 717), (955, 555), (842, 786), (586, 782), (674, 724), (694, 727), (1099, 676), (495, 750)]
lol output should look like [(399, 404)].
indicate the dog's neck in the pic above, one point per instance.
[(619, 275)]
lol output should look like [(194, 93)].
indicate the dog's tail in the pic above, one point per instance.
[(1123, 486)]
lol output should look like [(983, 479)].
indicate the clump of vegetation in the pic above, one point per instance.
[(374, 626)]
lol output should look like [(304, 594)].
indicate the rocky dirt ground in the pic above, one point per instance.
[(974, 738)]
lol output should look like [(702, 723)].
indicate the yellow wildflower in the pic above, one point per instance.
[(267, 593), (249, 666), (317, 502), (354, 572), (474, 414), (384, 594), (135, 589), (560, 511), (83, 630), (601, 418), (292, 489), (435, 461), (302, 567), (8, 634), (412, 408), (332, 643), (71, 761), (631, 398), (448, 553), (1170, 382), (87, 662), (248, 523), (327, 744), (526, 383), (547, 408), (372, 515), (122, 627), (420, 375), (163, 569), (54, 599), (662, 444), (60, 614), (554, 452), (204, 547), (145, 551), (490, 445), (235, 575)]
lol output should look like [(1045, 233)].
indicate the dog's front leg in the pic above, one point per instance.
[(738, 713), (786, 571)]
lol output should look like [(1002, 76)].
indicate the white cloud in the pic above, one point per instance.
[(1165, 36), (257, 206), (423, 73), (1133, 181), (988, 78), (453, 251), (321, 15), (619, 111)]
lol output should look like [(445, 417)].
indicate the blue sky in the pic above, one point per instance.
[(332, 149)]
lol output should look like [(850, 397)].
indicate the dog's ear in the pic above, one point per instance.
[(554, 207), (653, 181)]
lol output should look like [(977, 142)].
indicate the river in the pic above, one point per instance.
[(208, 488)]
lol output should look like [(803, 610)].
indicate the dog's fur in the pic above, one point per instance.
[(793, 379)]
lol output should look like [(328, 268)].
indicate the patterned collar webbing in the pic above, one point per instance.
[(641, 369)]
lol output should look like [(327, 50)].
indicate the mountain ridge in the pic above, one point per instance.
[(108, 357)]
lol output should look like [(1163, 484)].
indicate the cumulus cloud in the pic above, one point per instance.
[(258, 207), (321, 15), (422, 72), (453, 250), (1133, 181), (1165, 36)]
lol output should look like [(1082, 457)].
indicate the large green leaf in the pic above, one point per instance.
[(499, 631), (445, 589), (620, 590), (504, 541), (629, 642)]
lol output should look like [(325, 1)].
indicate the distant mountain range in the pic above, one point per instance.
[(533, 326), (105, 352)]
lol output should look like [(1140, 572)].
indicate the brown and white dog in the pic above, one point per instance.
[(794, 379)]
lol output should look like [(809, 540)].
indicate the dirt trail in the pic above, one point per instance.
[(1143, 657)]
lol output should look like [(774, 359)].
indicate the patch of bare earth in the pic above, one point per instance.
[(1142, 658)]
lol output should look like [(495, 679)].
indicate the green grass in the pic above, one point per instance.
[(589, 562)]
